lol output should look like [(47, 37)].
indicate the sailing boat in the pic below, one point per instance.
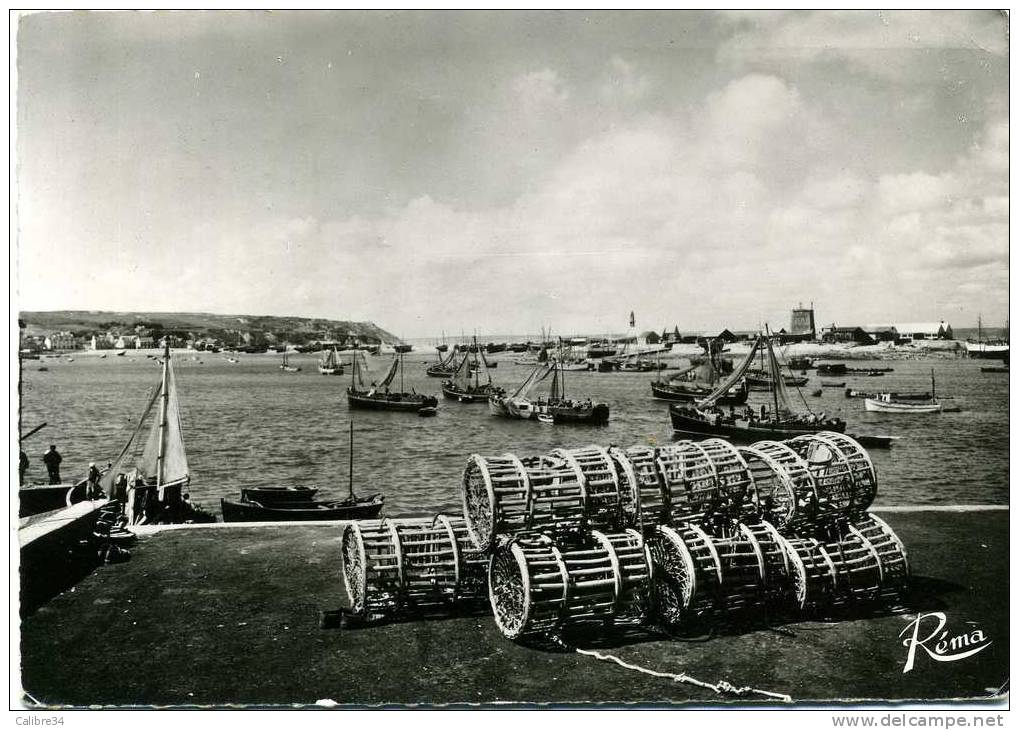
[(465, 385), (886, 403), (706, 419), (379, 397), (331, 365), (152, 489), (761, 378), (556, 406), (698, 381), (444, 366), (298, 504), (996, 350), (287, 367)]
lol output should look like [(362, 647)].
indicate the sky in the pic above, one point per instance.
[(511, 171)]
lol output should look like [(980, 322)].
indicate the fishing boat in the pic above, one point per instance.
[(995, 368), (555, 406), (444, 366), (152, 488), (991, 350), (286, 367), (698, 382), (747, 424), (378, 396), (885, 403), (829, 384), (800, 362), (895, 396), (331, 365), (298, 503), (466, 385)]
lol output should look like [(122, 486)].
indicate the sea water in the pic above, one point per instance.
[(250, 424)]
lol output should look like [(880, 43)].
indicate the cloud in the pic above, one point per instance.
[(539, 90), (879, 42)]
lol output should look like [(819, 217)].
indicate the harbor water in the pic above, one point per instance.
[(247, 423)]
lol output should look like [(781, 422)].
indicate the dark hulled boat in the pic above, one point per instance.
[(707, 419), (445, 366), (746, 426), (295, 510), (699, 381), (466, 386), (379, 397)]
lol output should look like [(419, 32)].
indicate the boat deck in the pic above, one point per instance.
[(218, 614)]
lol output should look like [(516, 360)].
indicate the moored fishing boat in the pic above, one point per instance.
[(555, 406), (698, 382), (331, 365), (990, 350), (707, 419), (378, 396), (286, 367), (298, 503), (153, 489), (896, 396), (444, 366), (885, 403), (465, 386)]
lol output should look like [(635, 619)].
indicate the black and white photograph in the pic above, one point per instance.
[(510, 359)]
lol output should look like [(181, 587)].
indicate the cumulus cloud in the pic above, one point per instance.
[(875, 41)]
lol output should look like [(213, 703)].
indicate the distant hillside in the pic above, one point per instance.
[(201, 324)]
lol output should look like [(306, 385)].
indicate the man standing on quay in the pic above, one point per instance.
[(52, 459)]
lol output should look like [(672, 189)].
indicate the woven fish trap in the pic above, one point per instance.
[(783, 490), (703, 579), (867, 564), (702, 478), (420, 565), (536, 588), (842, 469), (643, 492), (567, 491)]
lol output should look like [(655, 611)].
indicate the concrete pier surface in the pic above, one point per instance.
[(230, 616)]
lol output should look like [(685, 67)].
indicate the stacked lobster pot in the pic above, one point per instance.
[(815, 490), (397, 568), (557, 529)]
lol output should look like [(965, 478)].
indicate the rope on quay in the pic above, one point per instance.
[(720, 688)]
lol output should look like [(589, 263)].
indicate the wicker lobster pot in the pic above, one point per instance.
[(783, 491), (565, 491), (702, 478), (410, 566), (842, 470), (868, 563), (536, 588), (700, 578), (645, 502)]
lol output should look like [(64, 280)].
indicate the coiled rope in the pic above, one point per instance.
[(719, 688)]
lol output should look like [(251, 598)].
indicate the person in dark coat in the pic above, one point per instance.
[(94, 491), (22, 467), (52, 459)]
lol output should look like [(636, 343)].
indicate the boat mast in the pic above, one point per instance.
[(773, 366), (934, 392), (351, 458), (163, 402), (401, 373)]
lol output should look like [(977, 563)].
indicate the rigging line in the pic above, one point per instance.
[(721, 688), (780, 358)]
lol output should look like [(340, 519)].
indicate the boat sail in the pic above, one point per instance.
[(446, 365), (152, 489), (465, 385), (698, 381), (331, 365), (556, 406), (378, 396), (706, 419)]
